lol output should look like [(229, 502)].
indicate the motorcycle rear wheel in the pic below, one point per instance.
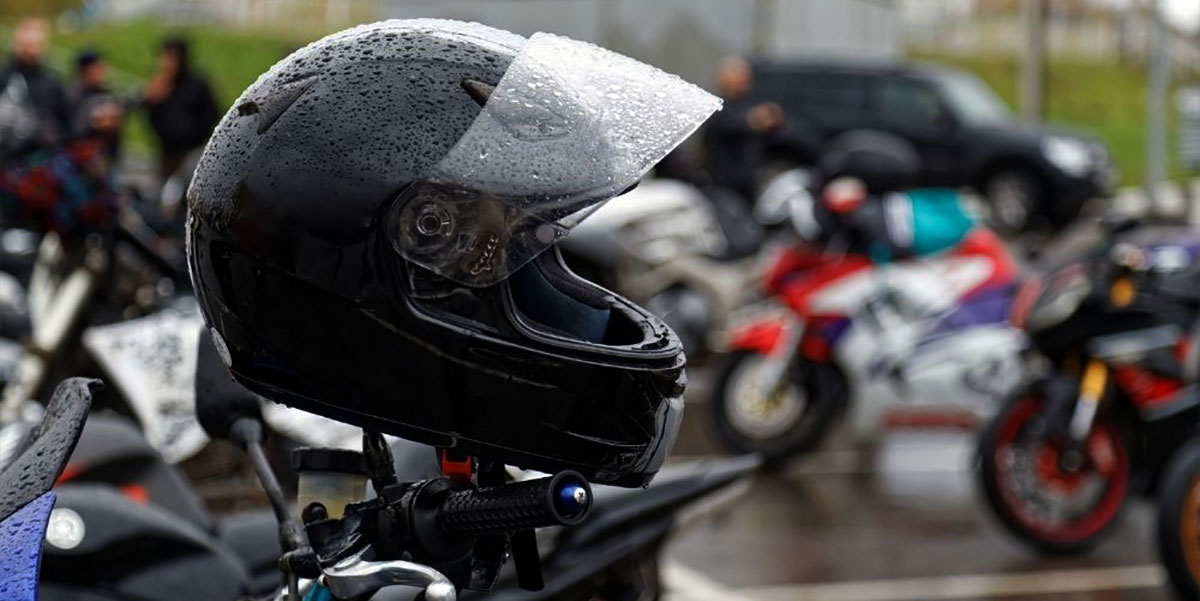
[(800, 420), (1179, 521), (1011, 456)]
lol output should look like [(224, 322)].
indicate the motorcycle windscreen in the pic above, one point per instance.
[(568, 126), (21, 537)]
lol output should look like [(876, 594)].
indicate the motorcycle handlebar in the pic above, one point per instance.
[(560, 500)]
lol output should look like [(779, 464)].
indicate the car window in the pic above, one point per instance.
[(820, 95), (972, 101), (909, 100), (834, 93)]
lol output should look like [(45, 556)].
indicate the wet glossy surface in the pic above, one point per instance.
[(903, 522), (288, 227)]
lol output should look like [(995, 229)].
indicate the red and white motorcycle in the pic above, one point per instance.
[(921, 342)]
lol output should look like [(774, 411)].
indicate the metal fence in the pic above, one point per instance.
[(684, 36), (1116, 36)]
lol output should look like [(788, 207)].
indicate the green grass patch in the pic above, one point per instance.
[(231, 60), (1103, 98)]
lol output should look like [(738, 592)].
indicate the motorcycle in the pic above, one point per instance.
[(686, 256), (97, 540), (1113, 324), (115, 307), (116, 541), (917, 343), (1178, 515)]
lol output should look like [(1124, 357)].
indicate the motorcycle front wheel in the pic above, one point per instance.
[(1179, 521), (1050, 508), (748, 419)]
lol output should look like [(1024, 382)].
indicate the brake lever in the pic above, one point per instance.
[(354, 577)]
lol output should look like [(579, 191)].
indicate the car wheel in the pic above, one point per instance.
[(1014, 194)]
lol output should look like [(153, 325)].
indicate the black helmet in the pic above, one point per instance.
[(883, 163), (370, 244)]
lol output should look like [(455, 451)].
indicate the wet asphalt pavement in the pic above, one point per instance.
[(904, 521)]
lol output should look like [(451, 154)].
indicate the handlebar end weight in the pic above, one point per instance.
[(560, 500)]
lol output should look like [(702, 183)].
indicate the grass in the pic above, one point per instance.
[(1105, 99), (230, 60), (1102, 98)]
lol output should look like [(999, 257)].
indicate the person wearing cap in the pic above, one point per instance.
[(95, 110)]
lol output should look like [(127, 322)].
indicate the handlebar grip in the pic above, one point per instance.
[(560, 500)]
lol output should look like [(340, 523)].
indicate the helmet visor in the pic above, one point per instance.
[(568, 126)]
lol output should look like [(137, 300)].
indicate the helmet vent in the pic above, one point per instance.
[(270, 109), (478, 90)]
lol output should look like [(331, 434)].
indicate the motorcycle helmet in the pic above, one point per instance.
[(883, 163), (371, 236)]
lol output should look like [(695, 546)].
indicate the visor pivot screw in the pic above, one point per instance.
[(545, 234), (432, 220)]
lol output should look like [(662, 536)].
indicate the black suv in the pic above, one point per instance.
[(963, 133)]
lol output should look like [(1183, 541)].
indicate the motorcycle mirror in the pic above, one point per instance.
[(225, 409), (1117, 223), (780, 196), (228, 411)]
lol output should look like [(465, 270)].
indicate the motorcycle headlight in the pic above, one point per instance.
[(1069, 155), (1059, 299)]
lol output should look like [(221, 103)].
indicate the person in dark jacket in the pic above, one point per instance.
[(734, 137), (27, 80), (91, 78), (182, 109), (95, 111)]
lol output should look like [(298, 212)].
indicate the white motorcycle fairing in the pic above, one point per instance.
[(918, 344)]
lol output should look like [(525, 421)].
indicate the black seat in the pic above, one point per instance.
[(743, 235)]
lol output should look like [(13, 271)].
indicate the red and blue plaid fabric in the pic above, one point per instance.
[(68, 190)]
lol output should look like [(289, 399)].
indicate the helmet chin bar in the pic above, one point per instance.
[(442, 534)]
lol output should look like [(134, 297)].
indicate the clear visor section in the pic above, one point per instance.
[(569, 126)]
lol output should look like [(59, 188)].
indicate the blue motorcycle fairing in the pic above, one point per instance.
[(21, 537)]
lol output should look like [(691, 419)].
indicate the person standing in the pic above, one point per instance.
[(181, 106), (26, 82), (734, 137), (95, 111), (91, 78)]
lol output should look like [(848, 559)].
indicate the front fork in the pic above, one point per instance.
[(777, 366), (52, 320), (1091, 392)]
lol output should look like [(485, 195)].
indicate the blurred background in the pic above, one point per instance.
[(1054, 125)]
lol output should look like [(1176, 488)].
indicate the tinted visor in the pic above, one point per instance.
[(569, 126)]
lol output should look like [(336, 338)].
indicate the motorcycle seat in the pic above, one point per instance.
[(253, 536), (136, 550), (743, 235)]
